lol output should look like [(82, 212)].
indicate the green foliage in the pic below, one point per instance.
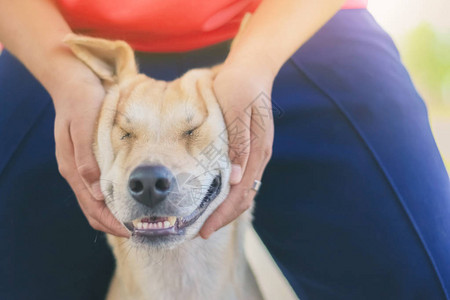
[(426, 53)]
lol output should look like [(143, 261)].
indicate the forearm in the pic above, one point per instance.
[(278, 28), (33, 31)]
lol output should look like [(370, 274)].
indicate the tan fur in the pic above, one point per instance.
[(145, 121)]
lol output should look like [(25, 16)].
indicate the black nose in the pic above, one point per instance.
[(150, 185)]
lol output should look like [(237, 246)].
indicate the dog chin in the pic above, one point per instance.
[(157, 242)]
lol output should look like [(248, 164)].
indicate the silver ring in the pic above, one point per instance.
[(256, 185)]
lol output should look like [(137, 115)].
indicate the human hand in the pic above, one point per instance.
[(77, 104), (243, 93)]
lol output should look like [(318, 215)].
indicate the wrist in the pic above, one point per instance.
[(253, 66), (63, 73)]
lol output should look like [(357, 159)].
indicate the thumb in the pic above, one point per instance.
[(239, 137), (85, 161)]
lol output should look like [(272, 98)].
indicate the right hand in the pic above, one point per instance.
[(77, 104)]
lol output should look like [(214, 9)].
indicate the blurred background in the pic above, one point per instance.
[(421, 31)]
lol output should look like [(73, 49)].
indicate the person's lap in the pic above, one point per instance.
[(356, 200), (354, 203)]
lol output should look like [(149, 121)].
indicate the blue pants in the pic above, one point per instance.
[(355, 202)]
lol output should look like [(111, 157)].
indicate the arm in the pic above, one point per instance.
[(33, 31), (275, 31), (278, 28)]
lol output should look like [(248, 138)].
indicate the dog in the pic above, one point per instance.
[(150, 145)]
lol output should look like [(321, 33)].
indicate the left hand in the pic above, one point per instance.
[(243, 92)]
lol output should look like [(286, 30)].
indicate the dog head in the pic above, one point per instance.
[(161, 146)]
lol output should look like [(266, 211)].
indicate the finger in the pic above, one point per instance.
[(86, 164), (100, 217), (239, 200), (96, 212), (241, 196), (64, 149), (238, 129)]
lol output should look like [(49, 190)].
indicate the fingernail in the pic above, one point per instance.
[(206, 236), (97, 191), (236, 174), (126, 234)]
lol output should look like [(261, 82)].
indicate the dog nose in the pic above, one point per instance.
[(150, 185)]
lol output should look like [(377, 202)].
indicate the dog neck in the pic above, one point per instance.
[(197, 269)]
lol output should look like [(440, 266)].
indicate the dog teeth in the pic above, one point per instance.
[(144, 224), (171, 220)]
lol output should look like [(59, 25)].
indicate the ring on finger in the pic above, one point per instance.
[(256, 185)]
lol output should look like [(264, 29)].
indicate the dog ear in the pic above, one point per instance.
[(103, 148), (111, 61)]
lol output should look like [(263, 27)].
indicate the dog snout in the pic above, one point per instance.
[(150, 185)]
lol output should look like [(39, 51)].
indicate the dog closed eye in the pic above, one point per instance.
[(125, 135), (190, 132)]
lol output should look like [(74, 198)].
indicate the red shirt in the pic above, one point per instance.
[(162, 25)]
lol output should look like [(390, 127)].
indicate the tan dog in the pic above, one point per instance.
[(150, 145)]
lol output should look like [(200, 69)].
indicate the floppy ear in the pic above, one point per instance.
[(103, 149), (111, 61)]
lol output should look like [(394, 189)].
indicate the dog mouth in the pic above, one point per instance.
[(153, 226)]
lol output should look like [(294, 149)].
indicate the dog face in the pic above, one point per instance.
[(161, 146)]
